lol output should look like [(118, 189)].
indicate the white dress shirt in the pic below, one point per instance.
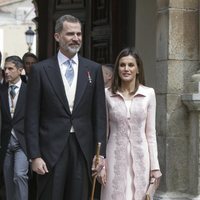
[(13, 101), (69, 90)]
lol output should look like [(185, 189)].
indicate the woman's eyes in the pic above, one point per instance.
[(130, 65)]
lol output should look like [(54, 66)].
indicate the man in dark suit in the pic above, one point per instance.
[(2, 75), (28, 59), (66, 117), (2, 190), (13, 159)]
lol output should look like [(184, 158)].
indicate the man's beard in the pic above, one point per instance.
[(73, 49)]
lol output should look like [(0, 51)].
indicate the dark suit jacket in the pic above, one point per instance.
[(24, 78), (48, 118), (17, 122)]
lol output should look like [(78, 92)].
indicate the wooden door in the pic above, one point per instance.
[(107, 26)]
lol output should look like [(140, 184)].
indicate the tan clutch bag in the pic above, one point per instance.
[(151, 190)]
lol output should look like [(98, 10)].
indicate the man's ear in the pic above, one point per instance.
[(21, 69), (57, 37)]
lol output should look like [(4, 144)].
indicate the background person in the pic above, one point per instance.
[(65, 117), (2, 187), (132, 148), (13, 159), (107, 74), (2, 75), (2, 79), (28, 59)]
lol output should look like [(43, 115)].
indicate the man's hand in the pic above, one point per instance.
[(39, 166)]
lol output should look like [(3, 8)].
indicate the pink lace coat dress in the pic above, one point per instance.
[(132, 147)]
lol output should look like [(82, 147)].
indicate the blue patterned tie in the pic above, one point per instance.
[(69, 74), (12, 91)]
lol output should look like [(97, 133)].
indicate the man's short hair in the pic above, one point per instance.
[(62, 19), (29, 54), (109, 66), (16, 60)]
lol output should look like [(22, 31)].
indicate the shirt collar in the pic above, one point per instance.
[(18, 84), (62, 58), (140, 92)]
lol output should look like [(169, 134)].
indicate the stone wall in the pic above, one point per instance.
[(177, 60)]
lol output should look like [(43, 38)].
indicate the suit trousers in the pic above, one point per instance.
[(15, 171), (69, 179)]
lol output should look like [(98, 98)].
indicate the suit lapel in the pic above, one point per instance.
[(55, 78), (82, 81), (6, 101), (20, 100)]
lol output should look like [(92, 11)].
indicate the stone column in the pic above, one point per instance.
[(192, 101), (177, 59)]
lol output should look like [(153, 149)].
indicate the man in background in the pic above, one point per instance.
[(13, 159), (2, 77), (107, 74), (28, 59), (2, 187)]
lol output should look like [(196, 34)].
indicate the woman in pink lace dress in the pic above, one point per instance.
[(132, 147)]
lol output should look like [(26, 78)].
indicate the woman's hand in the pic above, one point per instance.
[(99, 169), (101, 176), (155, 176)]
